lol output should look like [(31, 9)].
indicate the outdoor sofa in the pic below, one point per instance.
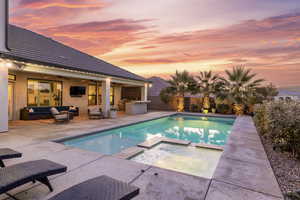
[(19, 174), (100, 188), (36, 113), (6, 153)]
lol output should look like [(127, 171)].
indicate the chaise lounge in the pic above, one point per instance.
[(6, 153), (100, 188), (20, 174), (63, 116)]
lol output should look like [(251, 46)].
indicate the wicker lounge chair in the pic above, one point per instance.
[(100, 188), (20, 174), (6, 153), (60, 116)]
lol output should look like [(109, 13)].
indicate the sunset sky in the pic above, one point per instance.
[(159, 37)]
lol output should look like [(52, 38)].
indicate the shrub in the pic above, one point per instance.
[(260, 118), (223, 108), (195, 108), (281, 122)]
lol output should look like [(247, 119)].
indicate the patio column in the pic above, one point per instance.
[(3, 25), (106, 97), (144, 96), (3, 97)]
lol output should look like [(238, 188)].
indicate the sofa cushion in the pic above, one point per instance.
[(54, 111)]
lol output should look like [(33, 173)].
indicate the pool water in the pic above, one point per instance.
[(190, 160), (197, 129)]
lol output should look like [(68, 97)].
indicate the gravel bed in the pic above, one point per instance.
[(285, 167)]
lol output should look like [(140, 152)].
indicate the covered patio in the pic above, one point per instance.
[(38, 73)]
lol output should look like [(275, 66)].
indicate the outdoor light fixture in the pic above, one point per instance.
[(8, 64), (150, 85)]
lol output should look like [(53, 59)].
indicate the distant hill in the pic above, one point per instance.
[(289, 91), (157, 85)]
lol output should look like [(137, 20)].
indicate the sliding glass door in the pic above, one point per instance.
[(44, 93)]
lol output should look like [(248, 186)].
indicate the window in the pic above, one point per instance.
[(112, 96), (93, 100), (99, 95), (44, 93), (92, 97), (11, 77)]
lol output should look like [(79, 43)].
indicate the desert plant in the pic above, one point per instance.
[(181, 84), (223, 108), (165, 95), (208, 84), (260, 118), (281, 122), (195, 108), (267, 92), (238, 87)]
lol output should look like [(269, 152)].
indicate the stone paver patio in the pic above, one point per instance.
[(243, 172)]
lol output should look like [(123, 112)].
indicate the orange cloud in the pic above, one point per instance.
[(265, 45), (41, 4), (98, 37)]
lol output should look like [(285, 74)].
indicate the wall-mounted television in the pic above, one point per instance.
[(77, 91)]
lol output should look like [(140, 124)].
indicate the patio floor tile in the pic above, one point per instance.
[(224, 191), (252, 176), (169, 185)]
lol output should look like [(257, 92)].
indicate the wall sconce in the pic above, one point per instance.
[(8, 64)]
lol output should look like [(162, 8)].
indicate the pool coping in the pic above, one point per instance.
[(244, 164), (63, 139), (131, 152), (243, 131), (98, 131)]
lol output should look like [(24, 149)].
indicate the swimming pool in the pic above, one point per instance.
[(186, 159), (197, 129)]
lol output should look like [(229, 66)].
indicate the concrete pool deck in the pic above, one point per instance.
[(243, 172)]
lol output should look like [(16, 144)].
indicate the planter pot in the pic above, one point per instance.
[(213, 110), (113, 114)]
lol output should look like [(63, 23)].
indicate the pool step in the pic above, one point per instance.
[(151, 142), (176, 141), (209, 146), (129, 153)]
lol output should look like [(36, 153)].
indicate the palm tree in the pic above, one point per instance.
[(267, 92), (239, 86), (208, 84), (181, 84)]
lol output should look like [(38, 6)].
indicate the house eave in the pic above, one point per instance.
[(62, 67)]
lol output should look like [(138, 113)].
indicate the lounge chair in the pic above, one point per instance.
[(95, 113), (60, 116), (100, 188), (20, 174), (6, 153)]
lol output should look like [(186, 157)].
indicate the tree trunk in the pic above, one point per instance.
[(238, 109), (206, 102), (180, 105)]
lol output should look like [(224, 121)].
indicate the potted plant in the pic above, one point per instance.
[(113, 113)]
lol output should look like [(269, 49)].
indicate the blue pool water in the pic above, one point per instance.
[(197, 129)]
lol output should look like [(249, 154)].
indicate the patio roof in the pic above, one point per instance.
[(32, 47)]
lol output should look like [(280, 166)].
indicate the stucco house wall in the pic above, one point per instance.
[(20, 92)]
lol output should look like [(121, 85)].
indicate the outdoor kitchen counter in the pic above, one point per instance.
[(136, 107)]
